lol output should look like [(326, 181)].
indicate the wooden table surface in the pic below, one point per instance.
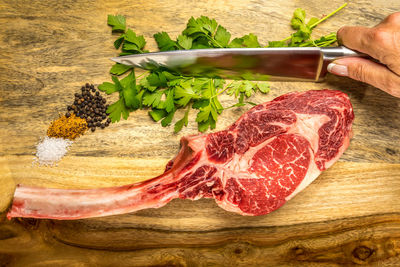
[(349, 215)]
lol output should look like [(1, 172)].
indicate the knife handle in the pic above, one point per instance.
[(332, 53)]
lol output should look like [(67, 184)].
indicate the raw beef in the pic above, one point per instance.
[(266, 157)]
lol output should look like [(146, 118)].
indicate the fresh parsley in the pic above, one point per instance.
[(302, 37), (164, 92), (118, 23)]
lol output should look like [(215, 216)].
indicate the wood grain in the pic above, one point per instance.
[(349, 215)]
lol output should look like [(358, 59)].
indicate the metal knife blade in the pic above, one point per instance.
[(283, 63)]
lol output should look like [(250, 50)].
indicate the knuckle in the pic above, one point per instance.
[(381, 37), (393, 18), (385, 45)]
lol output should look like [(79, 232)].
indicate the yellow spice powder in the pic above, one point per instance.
[(69, 128)]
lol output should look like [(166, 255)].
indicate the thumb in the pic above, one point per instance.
[(367, 71)]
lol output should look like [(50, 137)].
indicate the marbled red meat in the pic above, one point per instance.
[(266, 157)]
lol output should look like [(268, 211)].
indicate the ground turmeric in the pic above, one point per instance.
[(67, 127)]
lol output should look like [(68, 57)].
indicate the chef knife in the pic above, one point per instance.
[(283, 63)]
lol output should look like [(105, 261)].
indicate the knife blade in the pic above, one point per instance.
[(283, 63)]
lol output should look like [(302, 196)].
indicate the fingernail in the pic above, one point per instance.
[(337, 69)]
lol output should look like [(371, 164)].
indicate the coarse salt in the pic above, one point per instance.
[(50, 150)]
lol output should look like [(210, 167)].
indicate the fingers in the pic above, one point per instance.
[(354, 37), (380, 42), (366, 40), (369, 72)]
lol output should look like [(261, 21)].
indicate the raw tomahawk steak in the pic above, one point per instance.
[(266, 157)]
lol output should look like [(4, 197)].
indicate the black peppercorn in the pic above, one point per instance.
[(93, 129)]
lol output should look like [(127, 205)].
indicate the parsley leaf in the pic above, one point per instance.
[(298, 19), (209, 107), (157, 79), (185, 41), (164, 42), (263, 87), (184, 93), (157, 114), (129, 91), (119, 41), (168, 119), (202, 25), (117, 109), (249, 41), (133, 44), (108, 88), (145, 84), (222, 36), (245, 87), (169, 102), (203, 126), (117, 22), (153, 99), (182, 122), (312, 22), (205, 31), (119, 69), (203, 114)]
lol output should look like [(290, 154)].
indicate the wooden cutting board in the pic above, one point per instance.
[(349, 215)]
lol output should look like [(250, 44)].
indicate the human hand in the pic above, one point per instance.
[(382, 43)]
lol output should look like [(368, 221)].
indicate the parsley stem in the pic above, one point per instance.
[(214, 41), (223, 90), (287, 38), (142, 74), (330, 15), (319, 21)]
